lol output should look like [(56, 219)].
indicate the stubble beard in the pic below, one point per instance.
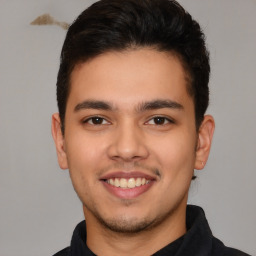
[(122, 224), (129, 226)]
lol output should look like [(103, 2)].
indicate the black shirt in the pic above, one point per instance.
[(198, 241)]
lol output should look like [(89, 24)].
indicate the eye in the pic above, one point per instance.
[(159, 120), (96, 120)]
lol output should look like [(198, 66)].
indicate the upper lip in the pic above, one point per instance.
[(127, 175)]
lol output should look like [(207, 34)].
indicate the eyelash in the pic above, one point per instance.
[(163, 119), (103, 121), (90, 120)]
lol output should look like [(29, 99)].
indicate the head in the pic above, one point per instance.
[(113, 25), (132, 91)]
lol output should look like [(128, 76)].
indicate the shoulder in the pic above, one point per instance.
[(219, 249), (64, 252)]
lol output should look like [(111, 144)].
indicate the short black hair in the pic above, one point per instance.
[(117, 25)]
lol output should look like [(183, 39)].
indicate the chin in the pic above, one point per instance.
[(127, 225), (130, 224)]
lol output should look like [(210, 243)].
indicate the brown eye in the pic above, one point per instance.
[(159, 120), (96, 120)]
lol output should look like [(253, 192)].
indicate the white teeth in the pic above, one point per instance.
[(123, 183), (131, 183), (138, 182), (128, 183), (117, 183)]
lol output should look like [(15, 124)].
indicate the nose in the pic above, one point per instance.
[(128, 144)]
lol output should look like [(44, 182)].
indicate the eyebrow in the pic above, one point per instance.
[(158, 104), (93, 104), (144, 106)]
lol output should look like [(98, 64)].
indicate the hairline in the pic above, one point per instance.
[(187, 73)]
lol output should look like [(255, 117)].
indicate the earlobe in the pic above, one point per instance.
[(205, 135), (59, 141)]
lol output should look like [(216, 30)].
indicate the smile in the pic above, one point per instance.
[(128, 183)]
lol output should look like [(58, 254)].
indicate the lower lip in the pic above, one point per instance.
[(127, 193)]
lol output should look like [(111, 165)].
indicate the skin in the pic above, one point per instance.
[(134, 131)]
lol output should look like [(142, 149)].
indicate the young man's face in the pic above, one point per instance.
[(130, 139)]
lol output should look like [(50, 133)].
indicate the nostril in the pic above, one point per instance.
[(127, 145)]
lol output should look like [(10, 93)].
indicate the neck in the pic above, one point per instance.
[(103, 241)]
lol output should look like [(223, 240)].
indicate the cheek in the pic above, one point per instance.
[(84, 151), (83, 157), (176, 155)]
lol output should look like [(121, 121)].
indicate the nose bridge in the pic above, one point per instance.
[(128, 143)]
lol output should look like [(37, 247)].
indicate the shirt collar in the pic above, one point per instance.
[(197, 240)]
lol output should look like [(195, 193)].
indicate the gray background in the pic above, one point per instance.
[(39, 208)]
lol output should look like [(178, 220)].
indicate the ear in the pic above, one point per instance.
[(205, 135), (58, 138)]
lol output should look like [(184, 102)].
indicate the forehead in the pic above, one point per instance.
[(130, 76)]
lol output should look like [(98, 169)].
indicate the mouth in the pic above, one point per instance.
[(127, 185)]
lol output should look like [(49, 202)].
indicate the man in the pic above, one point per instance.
[(132, 93)]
